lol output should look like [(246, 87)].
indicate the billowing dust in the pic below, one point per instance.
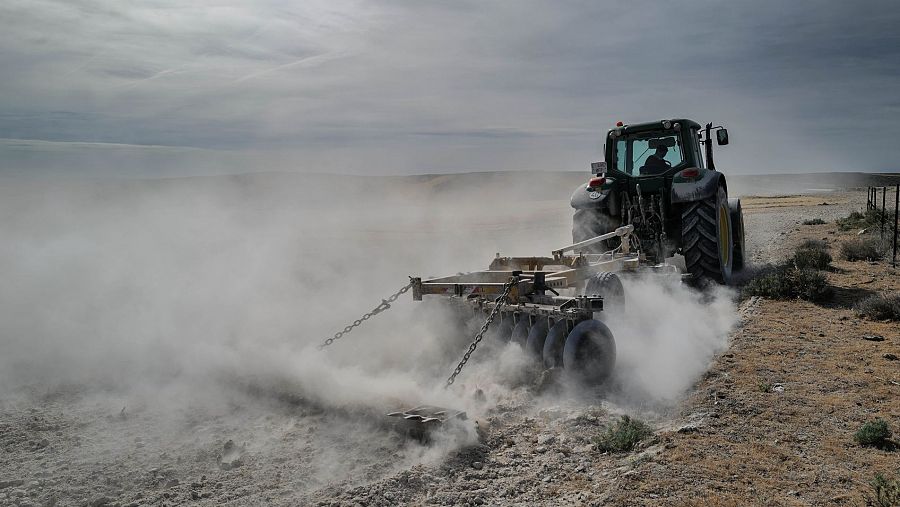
[(201, 302)]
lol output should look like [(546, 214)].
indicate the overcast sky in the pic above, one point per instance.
[(169, 87)]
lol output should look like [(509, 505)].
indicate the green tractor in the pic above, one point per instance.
[(655, 178)]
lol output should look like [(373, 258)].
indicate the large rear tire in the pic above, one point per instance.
[(707, 239), (737, 232)]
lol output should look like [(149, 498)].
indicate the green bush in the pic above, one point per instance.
[(787, 281), (887, 491), (869, 249), (624, 435), (768, 284), (878, 307), (809, 284), (814, 221), (873, 434), (810, 258)]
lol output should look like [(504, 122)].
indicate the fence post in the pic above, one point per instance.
[(896, 206), (883, 193)]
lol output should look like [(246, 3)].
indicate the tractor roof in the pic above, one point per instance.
[(656, 125)]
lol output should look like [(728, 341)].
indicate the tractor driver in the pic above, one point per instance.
[(657, 163)]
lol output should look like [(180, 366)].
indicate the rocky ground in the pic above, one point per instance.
[(770, 423)]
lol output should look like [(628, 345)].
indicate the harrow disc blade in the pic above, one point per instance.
[(590, 351), (520, 332), (504, 328), (534, 345), (552, 353)]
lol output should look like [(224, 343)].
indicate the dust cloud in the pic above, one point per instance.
[(190, 296), (666, 337)]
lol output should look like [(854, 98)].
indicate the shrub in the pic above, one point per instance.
[(624, 435), (811, 258), (809, 284), (813, 244), (787, 281), (858, 220), (814, 221), (887, 491), (878, 307), (862, 250), (768, 283), (873, 434)]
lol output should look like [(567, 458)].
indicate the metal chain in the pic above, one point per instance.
[(384, 305), (484, 327)]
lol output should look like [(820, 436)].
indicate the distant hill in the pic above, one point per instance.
[(312, 189)]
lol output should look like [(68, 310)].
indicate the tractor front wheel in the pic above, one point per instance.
[(707, 239)]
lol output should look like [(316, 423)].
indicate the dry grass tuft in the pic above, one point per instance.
[(869, 249), (878, 307), (887, 491), (624, 435)]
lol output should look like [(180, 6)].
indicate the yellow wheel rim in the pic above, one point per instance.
[(724, 236)]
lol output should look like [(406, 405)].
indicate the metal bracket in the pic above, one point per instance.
[(622, 232)]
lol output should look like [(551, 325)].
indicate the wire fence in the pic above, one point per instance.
[(885, 217)]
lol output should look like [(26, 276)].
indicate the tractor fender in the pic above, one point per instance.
[(686, 189), (583, 198)]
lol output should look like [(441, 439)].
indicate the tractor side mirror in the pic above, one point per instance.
[(722, 137), (598, 167)]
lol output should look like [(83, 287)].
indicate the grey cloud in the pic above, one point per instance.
[(395, 86)]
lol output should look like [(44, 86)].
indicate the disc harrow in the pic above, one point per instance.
[(551, 306)]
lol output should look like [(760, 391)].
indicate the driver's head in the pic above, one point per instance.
[(661, 151)]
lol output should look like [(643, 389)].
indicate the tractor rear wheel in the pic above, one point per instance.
[(737, 231), (707, 239)]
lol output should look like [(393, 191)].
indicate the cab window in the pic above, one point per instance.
[(649, 154)]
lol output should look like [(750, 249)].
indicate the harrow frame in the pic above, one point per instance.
[(539, 280)]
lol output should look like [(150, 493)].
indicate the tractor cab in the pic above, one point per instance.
[(659, 148), (660, 177)]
